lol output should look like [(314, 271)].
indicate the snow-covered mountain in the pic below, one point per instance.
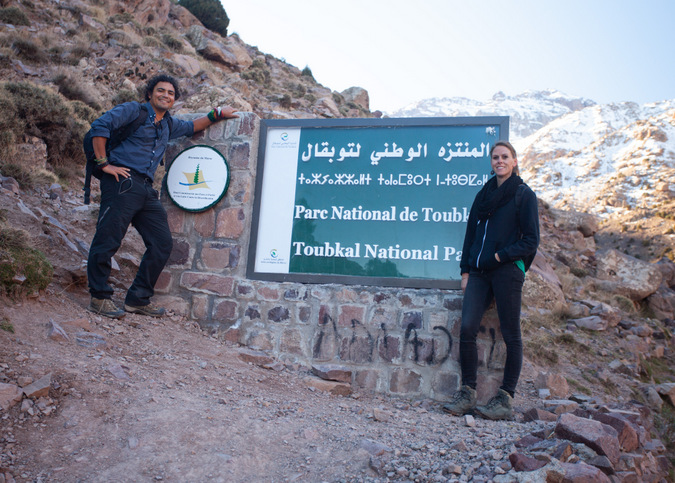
[(605, 158), (576, 154), (529, 111)]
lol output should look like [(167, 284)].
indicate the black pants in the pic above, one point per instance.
[(505, 285), (133, 201)]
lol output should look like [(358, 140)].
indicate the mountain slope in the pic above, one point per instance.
[(528, 111)]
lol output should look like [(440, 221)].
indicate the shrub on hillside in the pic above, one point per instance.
[(23, 269), (9, 130), (43, 113), (29, 51), (13, 16), (209, 12), (71, 87)]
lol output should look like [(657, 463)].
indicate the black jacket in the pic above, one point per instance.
[(512, 232)]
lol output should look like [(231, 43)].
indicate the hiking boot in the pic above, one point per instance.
[(499, 407), (105, 307), (151, 310), (462, 402)]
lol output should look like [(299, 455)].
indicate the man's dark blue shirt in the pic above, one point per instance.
[(144, 149)]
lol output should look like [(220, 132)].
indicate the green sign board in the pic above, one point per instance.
[(368, 201)]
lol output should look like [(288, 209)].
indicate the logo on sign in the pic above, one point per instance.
[(195, 179), (284, 136)]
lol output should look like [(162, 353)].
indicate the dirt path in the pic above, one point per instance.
[(163, 401)]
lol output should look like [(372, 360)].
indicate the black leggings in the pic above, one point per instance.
[(505, 285)]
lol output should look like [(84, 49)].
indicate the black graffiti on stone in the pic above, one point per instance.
[(327, 325), (425, 350), (359, 345), (493, 343)]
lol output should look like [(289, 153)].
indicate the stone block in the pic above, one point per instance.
[(453, 303), (176, 218), (177, 305), (382, 317), (257, 338), (367, 379), (240, 155), (204, 223), (325, 343), (225, 310), (357, 349), (350, 313), (247, 124), (268, 293), (295, 294), (326, 316), (304, 314), (200, 307), (445, 384), (245, 290), (279, 313), (389, 348), (293, 342), (405, 381), (253, 312), (412, 320), (215, 256), (230, 223), (239, 191), (207, 283), (164, 282), (181, 253)]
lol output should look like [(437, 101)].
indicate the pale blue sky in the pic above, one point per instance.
[(404, 51)]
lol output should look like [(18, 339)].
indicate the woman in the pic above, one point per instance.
[(501, 240)]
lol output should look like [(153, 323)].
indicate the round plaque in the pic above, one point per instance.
[(198, 178)]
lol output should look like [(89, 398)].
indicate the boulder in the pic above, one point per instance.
[(542, 288), (10, 394), (358, 96), (667, 268), (662, 302), (189, 64), (555, 383), (590, 323), (600, 437), (626, 275), (585, 223), (230, 52)]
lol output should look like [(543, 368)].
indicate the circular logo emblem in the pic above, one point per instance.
[(274, 253), (284, 136), (197, 178)]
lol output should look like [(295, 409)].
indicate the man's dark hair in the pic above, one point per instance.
[(161, 78)]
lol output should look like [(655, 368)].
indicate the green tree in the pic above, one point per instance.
[(209, 12)]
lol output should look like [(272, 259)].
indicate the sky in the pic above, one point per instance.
[(404, 51)]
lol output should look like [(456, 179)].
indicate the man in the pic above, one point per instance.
[(127, 195)]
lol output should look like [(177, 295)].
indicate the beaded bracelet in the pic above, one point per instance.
[(101, 161)]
